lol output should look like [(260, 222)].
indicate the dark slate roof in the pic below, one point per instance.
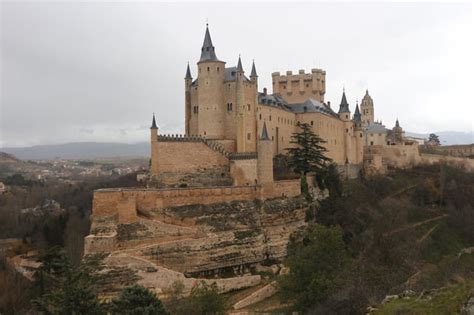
[(357, 116), (239, 65), (344, 106), (264, 133), (376, 128), (188, 73), (309, 106), (153, 123), (274, 100), (254, 71), (208, 52), (230, 74), (312, 106)]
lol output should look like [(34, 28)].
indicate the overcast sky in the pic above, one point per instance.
[(82, 71)]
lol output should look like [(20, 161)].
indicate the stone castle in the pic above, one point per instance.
[(234, 130), (212, 208)]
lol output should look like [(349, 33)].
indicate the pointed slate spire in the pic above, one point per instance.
[(188, 74), (357, 116), (253, 74), (153, 123), (239, 66), (397, 124), (264, 133), (208, 51), (344, 106)]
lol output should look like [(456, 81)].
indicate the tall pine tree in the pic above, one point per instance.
[(308, 155)]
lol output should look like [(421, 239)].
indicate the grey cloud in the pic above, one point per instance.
[(103, 66)]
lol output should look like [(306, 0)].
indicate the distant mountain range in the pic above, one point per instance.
[(448, 137), (94, 150), (80, 150)]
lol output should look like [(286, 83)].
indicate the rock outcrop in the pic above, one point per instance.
[(222, 241)]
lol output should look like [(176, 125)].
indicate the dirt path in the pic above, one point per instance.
[(414, 225), (427, 234)]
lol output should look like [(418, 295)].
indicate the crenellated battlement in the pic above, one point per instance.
[(215, 146), (297, 88)]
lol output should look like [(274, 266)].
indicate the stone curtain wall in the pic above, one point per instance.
[(191, 162), (465, 163), (110, 201), (125, 202)]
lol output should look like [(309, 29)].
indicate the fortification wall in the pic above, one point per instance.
[(243, 172), (286, 188), (126, 201), (465, 163), (193, 161), (401, 156)]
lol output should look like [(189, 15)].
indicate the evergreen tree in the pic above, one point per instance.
[(67, 289), (205, 299), (137, 300), (319, 263), (308, 156)]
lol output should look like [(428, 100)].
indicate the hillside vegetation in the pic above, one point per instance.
[(410, 231)]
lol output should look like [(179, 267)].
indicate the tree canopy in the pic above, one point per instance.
[(317, 260), (308, 154), (137, 300)]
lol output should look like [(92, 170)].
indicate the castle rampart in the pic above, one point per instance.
[(126, 201)]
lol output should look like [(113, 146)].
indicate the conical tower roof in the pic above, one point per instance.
[(153, 123), (188, 73), (264, 133), (253, 73), (239, 66), (344, 106), (357, 116), (208, 52)]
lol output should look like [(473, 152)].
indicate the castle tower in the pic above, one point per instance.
[(253, 73), (188, 80), (344, 112), (154, 147), (398, 133), (367, 108), (240, 99), (211, 74), (358, 135), (265, 160), (357, 117)]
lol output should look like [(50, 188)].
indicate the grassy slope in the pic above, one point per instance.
[(448, 300)]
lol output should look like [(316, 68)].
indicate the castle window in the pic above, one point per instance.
[(260, 116), (270, 118), (347, 130), (284, 87), (312, 123), (347, 116), (371, 143), (361, 135), (248, 136), (196, 109), (272, 138), (217, 69), (248, 106), (208, 69), (307, 85), (229, 107)]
